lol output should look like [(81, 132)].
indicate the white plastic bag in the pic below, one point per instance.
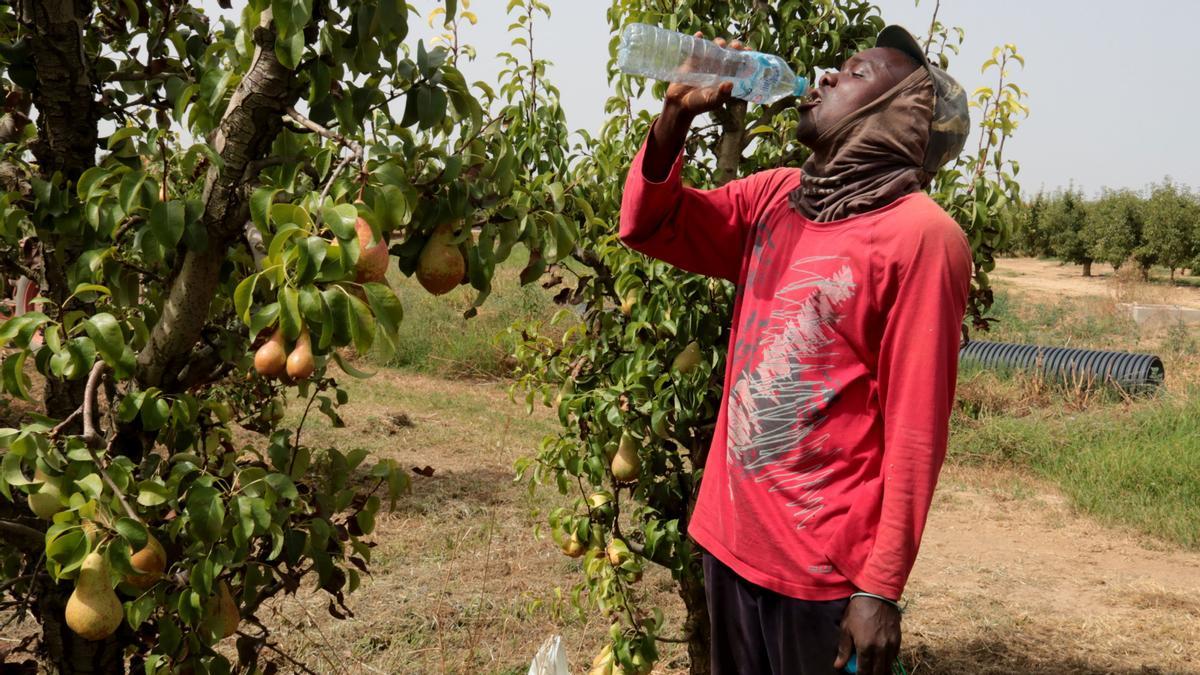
[(551, 659)]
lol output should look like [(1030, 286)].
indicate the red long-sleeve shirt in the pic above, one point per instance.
[(839, 382)]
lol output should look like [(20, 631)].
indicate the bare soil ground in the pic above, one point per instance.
[(1010, 578), (1052, 280)]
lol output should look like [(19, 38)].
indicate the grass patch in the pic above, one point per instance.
[(435, 339), (1135, 465)]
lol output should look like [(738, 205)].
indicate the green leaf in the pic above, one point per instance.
[(91, 485), (16, 381), (289, 312), (260, 205), (133, 531), (153, 493), (349, 369), (130, 193), (243, 296), (167, 222), (386, 307), (206, 513), (122, 134), (155, 411), (362, 325), (106, 333), (290, 49), (340, 219)]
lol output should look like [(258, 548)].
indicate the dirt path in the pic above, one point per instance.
[(1049, 279), (1011, 580)]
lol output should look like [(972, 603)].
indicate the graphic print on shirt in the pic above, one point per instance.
[(781, 386)]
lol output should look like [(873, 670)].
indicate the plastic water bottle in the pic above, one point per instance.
[(664, 54)]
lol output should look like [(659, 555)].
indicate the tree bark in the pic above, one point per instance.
[(68, 115), (730, 146), (68, 112), (697, 624), (250, 124), (1087, 268)]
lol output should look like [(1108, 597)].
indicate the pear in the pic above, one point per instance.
[(573, 547), (687, 360), (47, 499), (151, 560), (626, 465), (617, 552), (300, 363), (441, 266), (221, 612), (271, 359), (602, 663), (93, 610), (372, 259)]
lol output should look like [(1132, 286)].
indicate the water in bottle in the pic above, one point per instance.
[(664, 54)]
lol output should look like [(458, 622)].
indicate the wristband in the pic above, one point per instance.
[(880, 598)]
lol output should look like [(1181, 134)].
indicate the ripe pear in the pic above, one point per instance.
[(47, 500), (151, 561), (441, 266), (573, 547), (602, 663), (372, 258), (617, 552), (93, 610), (687, 360), (271, 359), (626, 465), (221, 612), (300, 363)]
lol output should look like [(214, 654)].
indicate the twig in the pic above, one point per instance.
[(22, 533), (312, 126), (329, 183), (303, 668), (90, 436), (58, 430), (932, 24), (113, 486)]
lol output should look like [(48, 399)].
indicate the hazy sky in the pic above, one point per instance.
[(1113, 85)]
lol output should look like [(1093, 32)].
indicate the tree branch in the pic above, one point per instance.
[(91, 435), (22, 536), (252, 120)]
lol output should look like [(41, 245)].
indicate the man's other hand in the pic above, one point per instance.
[(871, 628)]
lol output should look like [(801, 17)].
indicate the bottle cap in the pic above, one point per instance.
[(801, 86)]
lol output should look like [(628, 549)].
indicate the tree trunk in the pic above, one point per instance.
[(1145, 273), (730, 146), (251, 122), (697, 625), (66, 653), (1087, 268)]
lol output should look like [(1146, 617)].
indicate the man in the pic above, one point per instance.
[(852, 285)]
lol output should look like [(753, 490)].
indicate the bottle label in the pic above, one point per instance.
[(761, 82)]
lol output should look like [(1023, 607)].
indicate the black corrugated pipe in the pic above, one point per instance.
[(1132, 373)]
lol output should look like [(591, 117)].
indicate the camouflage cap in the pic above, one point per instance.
[(951, 122)]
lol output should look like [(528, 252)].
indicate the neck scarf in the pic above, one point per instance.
[(872, 157)]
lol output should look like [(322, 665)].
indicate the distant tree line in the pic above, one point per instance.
[(1156, 226)]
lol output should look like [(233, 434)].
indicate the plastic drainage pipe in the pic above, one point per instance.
[(1132, 373)]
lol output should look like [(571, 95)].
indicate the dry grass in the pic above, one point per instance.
[(1011, 579), (461, 583)]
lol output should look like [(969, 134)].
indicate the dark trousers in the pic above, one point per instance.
[(760, 632)]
